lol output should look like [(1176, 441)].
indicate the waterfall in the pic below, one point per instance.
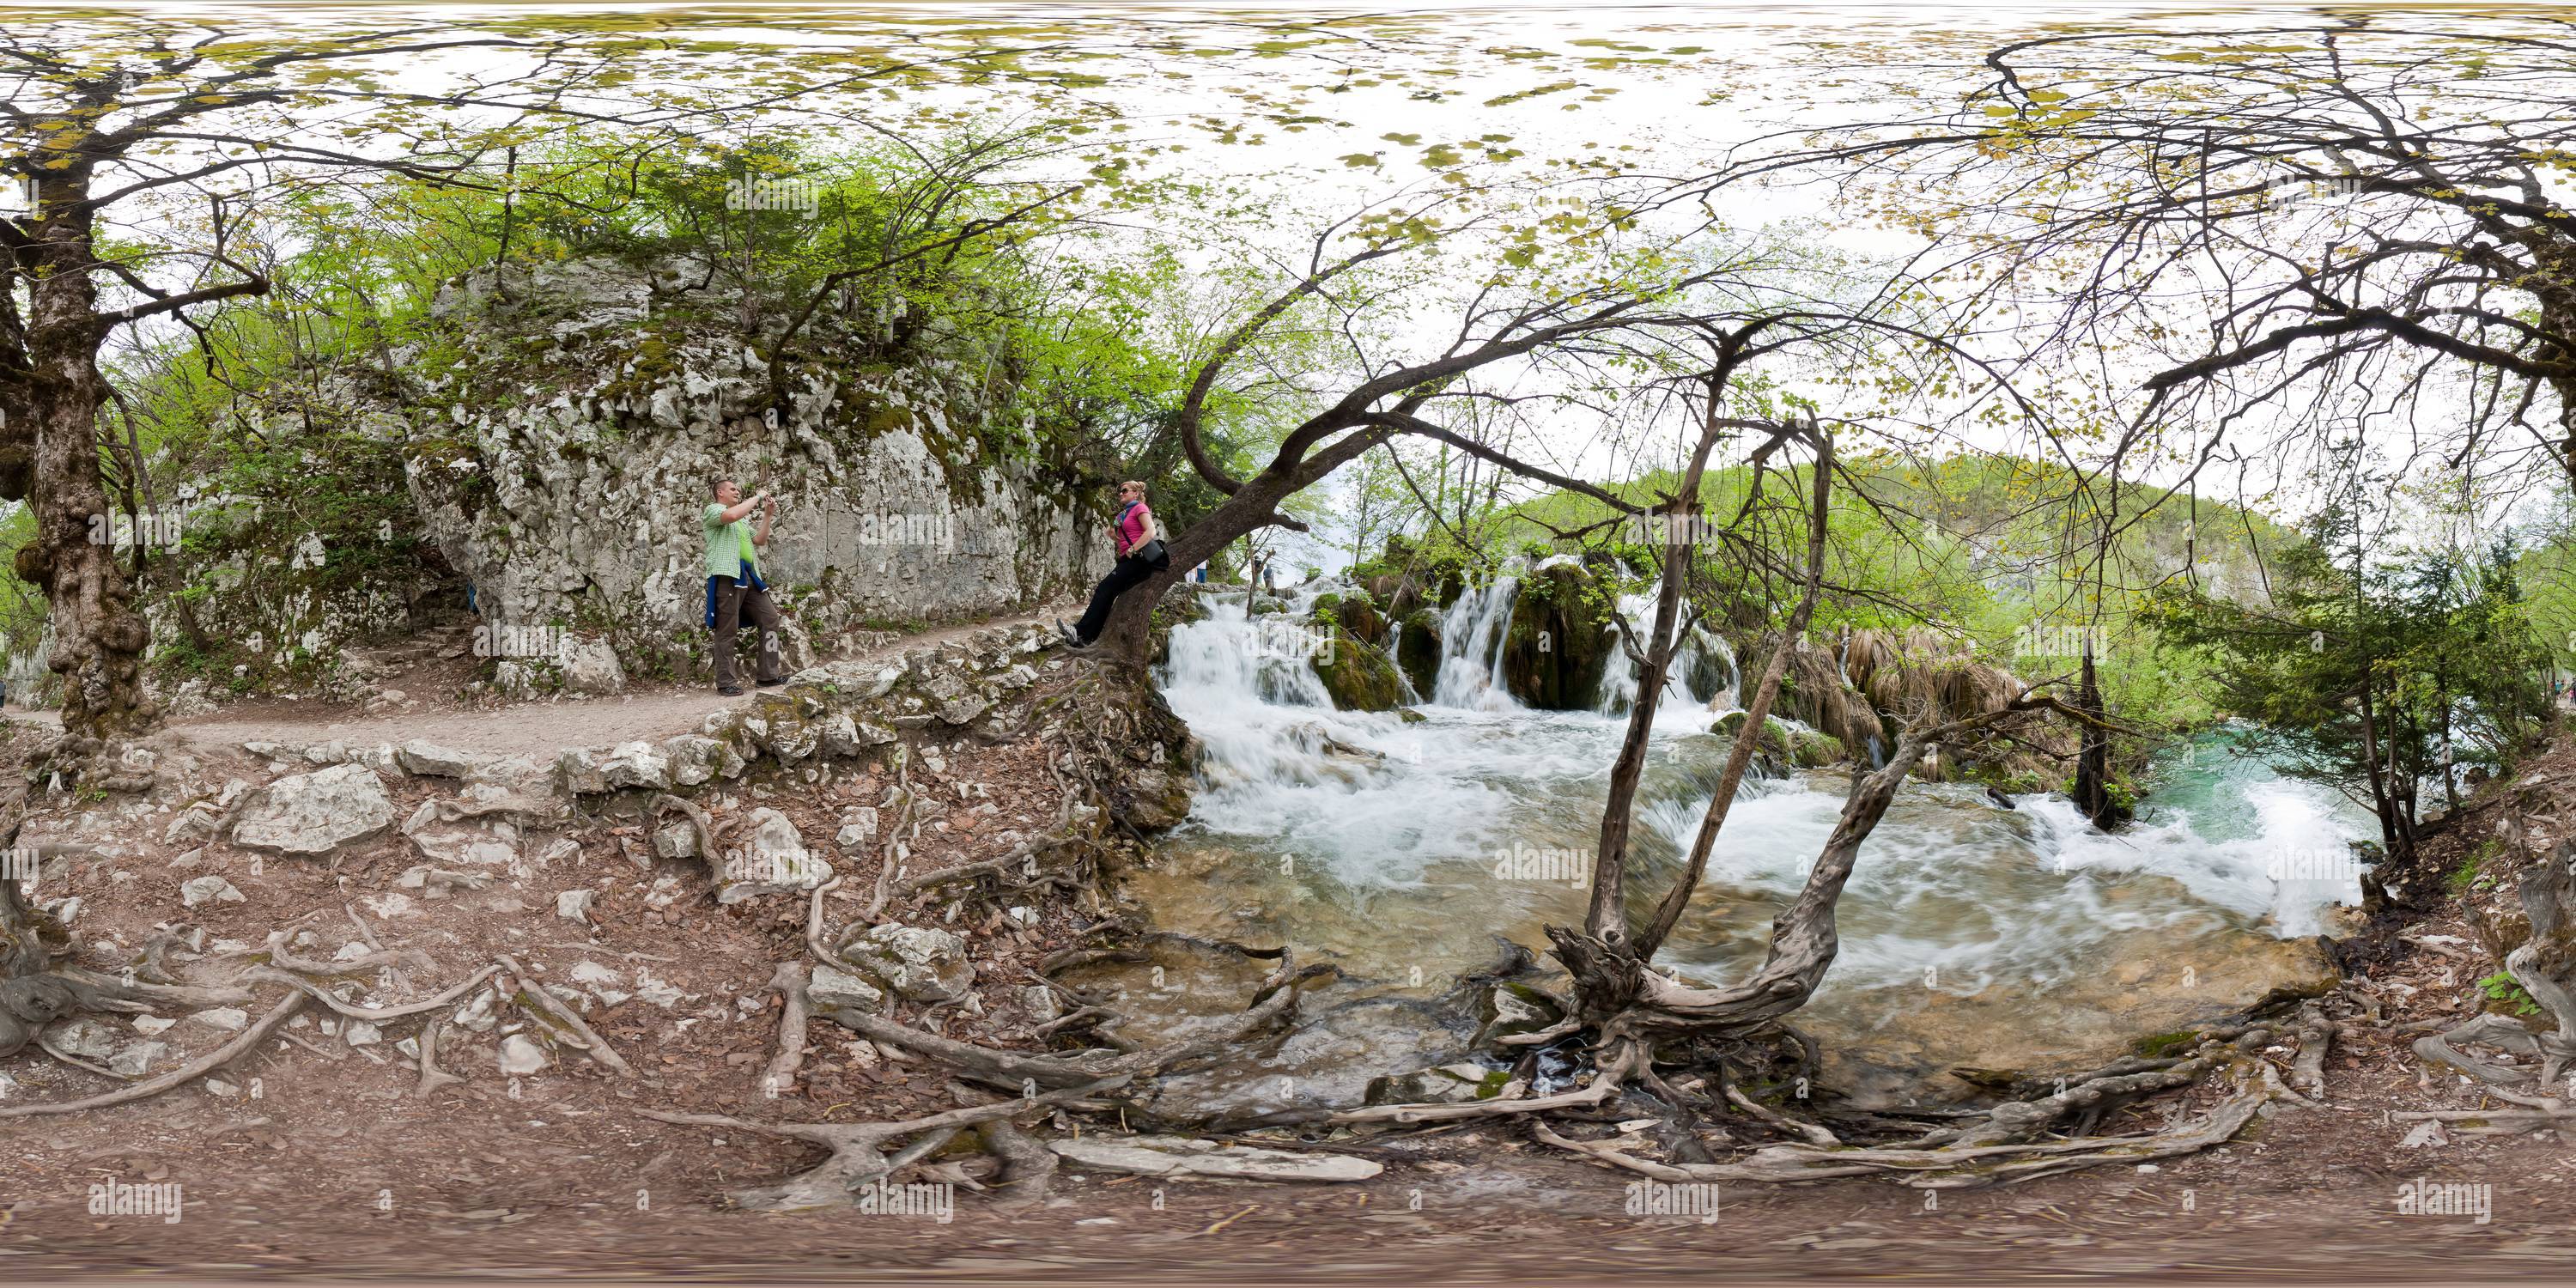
[(1471, 647), (1619, 680)]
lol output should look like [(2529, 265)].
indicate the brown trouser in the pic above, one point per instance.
[(737, 602)]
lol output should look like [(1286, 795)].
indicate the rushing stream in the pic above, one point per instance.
[(1398, 848)]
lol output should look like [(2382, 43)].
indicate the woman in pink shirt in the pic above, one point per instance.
[(1140, 551)]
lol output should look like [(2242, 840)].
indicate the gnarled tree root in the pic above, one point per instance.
[(1016, 1070), (1959, 1164), (241, 1045), (858, 1156), (794, 1011), (431, 1076)]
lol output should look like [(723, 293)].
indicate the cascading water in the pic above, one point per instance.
[(1697, 649), (1471, 647), (1395, 846)]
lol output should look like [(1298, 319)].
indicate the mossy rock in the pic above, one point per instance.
[(1558, 646), (1359, 677), (1356, 616), (1804, 748), (1811, 750), (1417, 650)]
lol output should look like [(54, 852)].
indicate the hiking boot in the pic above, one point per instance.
[(1070, 638), (773, 683), (729, 690)]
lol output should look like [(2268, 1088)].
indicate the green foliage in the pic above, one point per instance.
[(2502, 987), (2361, 661)]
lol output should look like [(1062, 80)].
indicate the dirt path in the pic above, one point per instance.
[(525, 728)]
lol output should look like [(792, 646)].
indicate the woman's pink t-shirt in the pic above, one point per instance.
[(1131, 527)]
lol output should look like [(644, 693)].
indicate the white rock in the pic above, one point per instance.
[(85, 1036), (390, 905), (574, 905), (421, 756), (478, 1015), (923, 964), (833, 989), (316, 813), (152, 1025), (208, 889), (521, 1056), (2428, 1134), (136, 1060), (657, 991), (773, 861), (230, 1019), (858, 827), (361, 1033)]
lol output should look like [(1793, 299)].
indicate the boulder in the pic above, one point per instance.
[(1508, 1009), (229, 1019), (1358, 675), (136, 1060), (919, 963), (1447, 1084), (1557, 648), (428, 759), (773, 860), (637, 764), (696, 758), (679, 840), (1155, 799), (832, 990), (858, 827), (1417, 650), (590, 666), (316, 813)]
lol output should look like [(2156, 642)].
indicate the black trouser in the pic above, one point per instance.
[(737, 603), (1130, 573)]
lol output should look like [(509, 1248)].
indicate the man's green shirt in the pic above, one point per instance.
[(729, 545)]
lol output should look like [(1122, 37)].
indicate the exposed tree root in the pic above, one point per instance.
[(373, 1014), (1973, 1159), (2494, 1031), (2544, 964), (1027, 1166), (532, 996), (1812, 1133), (1015, 1070), (898, 845), (242, 1044), (858, 1149), (431, 1076), (794, 1012), (1606, 1082), (279, 957)]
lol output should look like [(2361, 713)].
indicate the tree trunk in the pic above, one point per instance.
[(99, 638), (1629, 1004), (1128, 638), (2093, 761), (2382, 805)]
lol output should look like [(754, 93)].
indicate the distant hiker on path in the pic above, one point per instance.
[(735, 591), (1139, 538)]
